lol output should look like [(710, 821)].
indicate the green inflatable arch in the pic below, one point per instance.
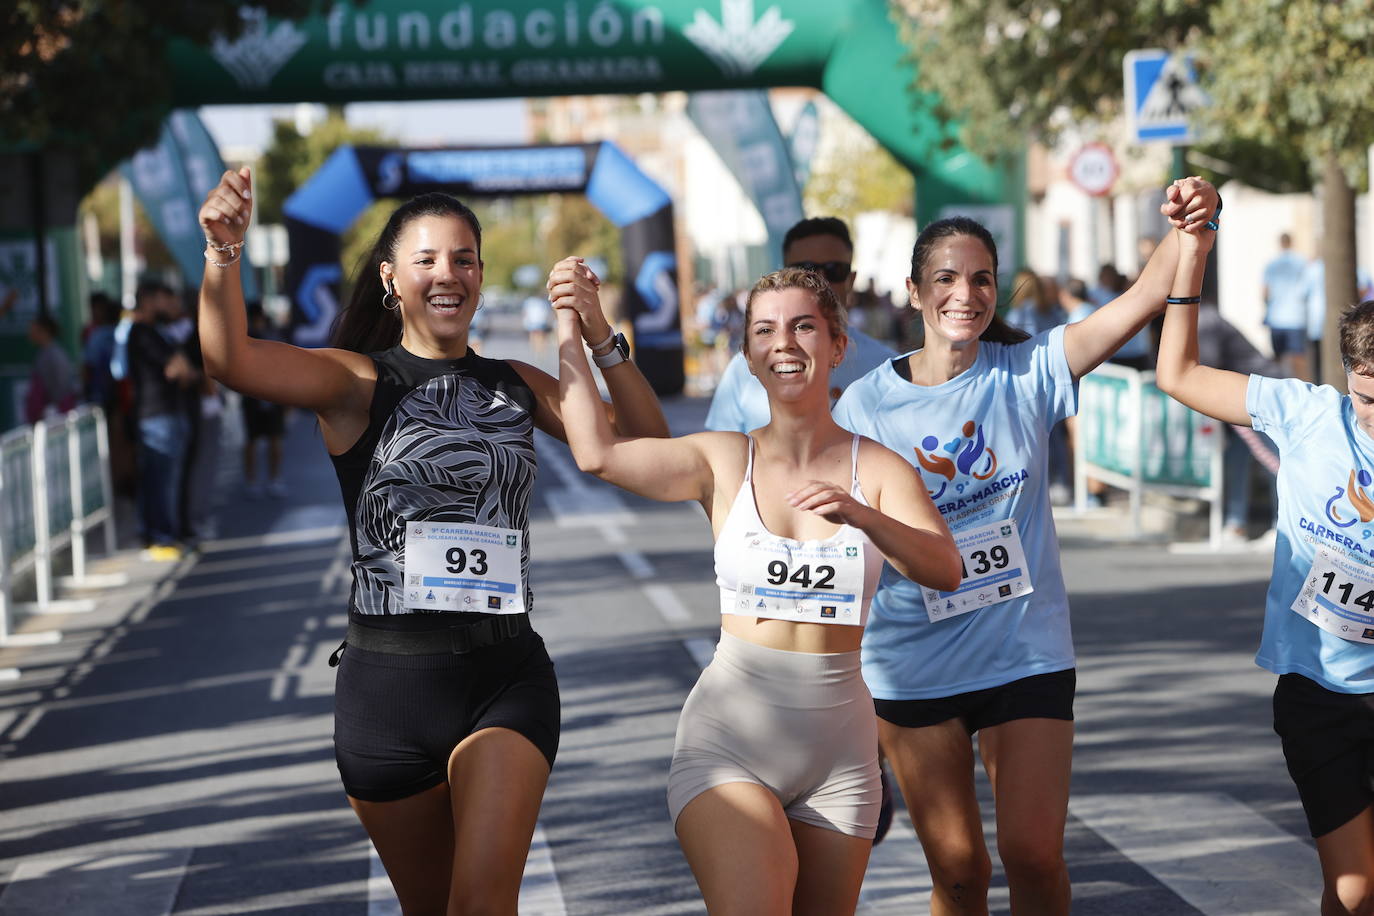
[(451, 49)]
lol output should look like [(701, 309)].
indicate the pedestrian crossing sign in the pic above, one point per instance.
[(1162, 94)]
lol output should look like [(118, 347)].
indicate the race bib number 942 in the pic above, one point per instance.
[(454, 566)]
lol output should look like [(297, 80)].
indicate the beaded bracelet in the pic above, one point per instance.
[(1182, 300), (223, 249), (236, 252)]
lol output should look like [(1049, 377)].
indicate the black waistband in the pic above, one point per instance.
[(454, 640)]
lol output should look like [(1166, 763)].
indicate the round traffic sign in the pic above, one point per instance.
[(1093, 168)]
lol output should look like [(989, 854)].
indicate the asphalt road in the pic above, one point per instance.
[(171, 754)]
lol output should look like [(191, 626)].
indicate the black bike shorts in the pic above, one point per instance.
[(397, 718)]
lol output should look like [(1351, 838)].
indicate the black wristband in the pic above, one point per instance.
[(1183, 300)]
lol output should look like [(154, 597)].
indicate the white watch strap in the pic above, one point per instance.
[(607, 360)]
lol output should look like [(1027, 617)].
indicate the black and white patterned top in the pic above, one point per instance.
[(447, 440)]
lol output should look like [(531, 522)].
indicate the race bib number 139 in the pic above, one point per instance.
[(994, 571)]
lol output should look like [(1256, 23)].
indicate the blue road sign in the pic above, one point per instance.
[(1161, 95)]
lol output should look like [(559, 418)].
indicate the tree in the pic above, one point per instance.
[(1299, 73), (292, 157), (1007, 72), (91, 76), (854, 175)]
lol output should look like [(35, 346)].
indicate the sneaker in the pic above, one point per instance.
[(1233, 534), (276, 489), (162, 553), (887, 809), (1060, 495)]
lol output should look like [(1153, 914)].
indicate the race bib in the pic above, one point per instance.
[(456, 566), (807, 581), (994, 571), (1338, 596)]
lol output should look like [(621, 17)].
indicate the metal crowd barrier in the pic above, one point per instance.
[(54, 489), (1134, 436)]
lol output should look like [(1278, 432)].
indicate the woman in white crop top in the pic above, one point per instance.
[(774, 787)]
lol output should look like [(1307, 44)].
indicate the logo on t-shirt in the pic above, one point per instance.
[(965, 454), (1354, 493)]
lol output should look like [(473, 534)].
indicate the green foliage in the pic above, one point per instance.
[(291, 158), (579, 228), (858, 176), (1011, 70), (91, 75), (1295, 73)]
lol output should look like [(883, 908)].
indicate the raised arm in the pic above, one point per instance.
[(320, 380), (1088, 342), (902, 522), (634, 409), (664, 469), (1218, 393)]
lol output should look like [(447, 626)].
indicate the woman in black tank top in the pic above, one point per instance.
[(442, 682)]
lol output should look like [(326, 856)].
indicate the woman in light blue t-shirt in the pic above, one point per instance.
[(973, 410)]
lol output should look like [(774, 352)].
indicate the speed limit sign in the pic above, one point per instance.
[(1093, 169)]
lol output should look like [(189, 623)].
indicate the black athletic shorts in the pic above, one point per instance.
[(397, 718), (1040, 696), (1327, 741)]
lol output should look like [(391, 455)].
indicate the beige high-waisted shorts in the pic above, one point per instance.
[(799, 724)]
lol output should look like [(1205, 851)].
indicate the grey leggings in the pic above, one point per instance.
[(799, 724)]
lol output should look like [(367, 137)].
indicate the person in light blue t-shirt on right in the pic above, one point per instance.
[(973, 411), (1319, 612)]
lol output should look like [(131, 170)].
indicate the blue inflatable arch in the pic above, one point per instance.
[(356, 176)]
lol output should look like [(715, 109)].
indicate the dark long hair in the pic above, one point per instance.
[(365, 325), (996, 332)]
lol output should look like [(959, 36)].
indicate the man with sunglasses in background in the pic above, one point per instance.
[(822, 245)]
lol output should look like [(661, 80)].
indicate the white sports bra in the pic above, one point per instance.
[(743, 526)]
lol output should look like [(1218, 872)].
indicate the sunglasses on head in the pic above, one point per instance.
[(834, 271)]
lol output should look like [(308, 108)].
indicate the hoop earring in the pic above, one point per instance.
[(390, 301), (480, 297)]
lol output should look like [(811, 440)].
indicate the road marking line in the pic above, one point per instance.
[(701, 649), (540, 892), (117, 884), (1213, 851), (638, 564), (381, 899), (277, 538), (667, 602)]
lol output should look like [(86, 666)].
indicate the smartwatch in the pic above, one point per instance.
[(619, 353)]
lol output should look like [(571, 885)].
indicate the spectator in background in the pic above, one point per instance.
[(52, 381), (1074, 300), (536, 317), (1135, 352), (1221, 345), (163, 381), (96, 349), (1035, 306), (1285, 309), (1035, 309), (263, 421), (1314, 292)]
